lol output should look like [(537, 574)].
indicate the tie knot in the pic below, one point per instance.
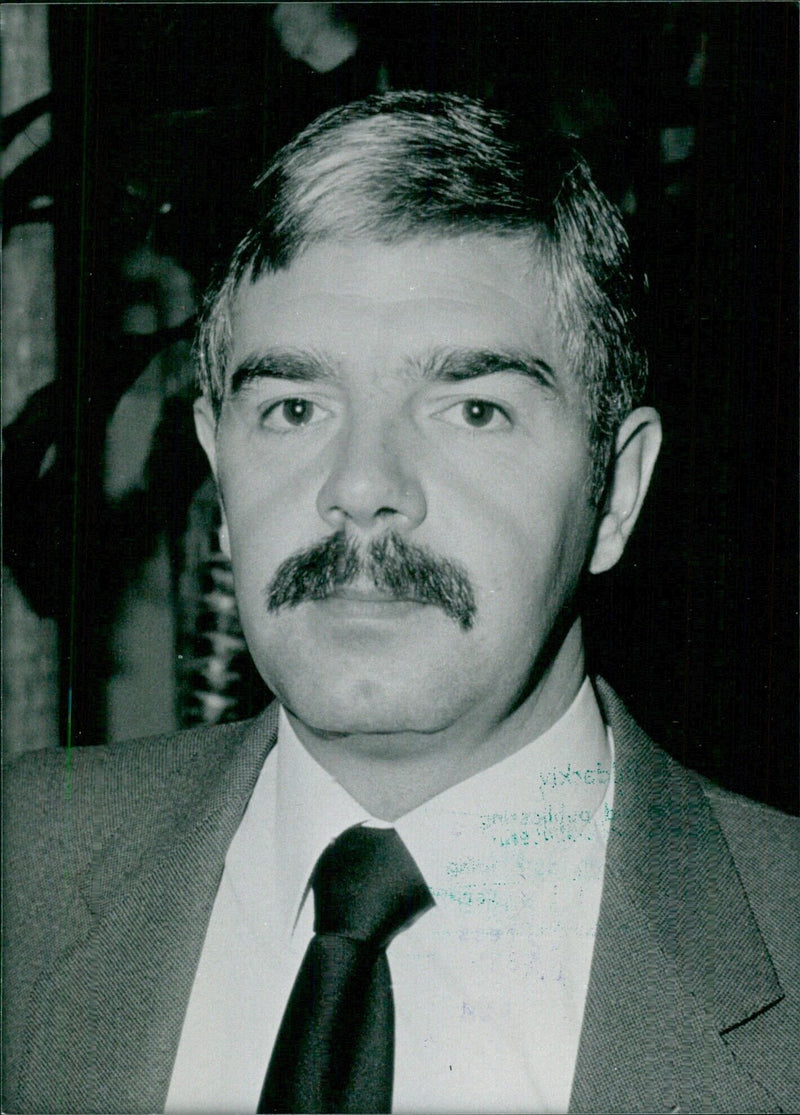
[(367, 886)]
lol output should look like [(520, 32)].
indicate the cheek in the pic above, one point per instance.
[(265, 508), (530, 552), (255, 553)]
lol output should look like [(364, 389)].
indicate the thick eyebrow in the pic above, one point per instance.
[(447, 365), (458, 364), (280, 363)]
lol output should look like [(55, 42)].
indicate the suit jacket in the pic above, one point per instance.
[(114, 855)]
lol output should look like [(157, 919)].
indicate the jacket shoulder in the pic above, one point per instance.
[(752, 824), (76, 822), (765, 846), (75, 795), (761, 844)]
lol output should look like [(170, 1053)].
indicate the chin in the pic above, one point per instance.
[(364, 707), (362, 717)]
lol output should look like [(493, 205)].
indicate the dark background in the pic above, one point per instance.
[(697, 629)]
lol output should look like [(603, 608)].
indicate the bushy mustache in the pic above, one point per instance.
[(401, 569)]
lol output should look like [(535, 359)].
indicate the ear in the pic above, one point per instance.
[(205, 425), (636, 449), (206, 429)]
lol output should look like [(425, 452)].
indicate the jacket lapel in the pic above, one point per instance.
[(114, 1005), (678, 957)]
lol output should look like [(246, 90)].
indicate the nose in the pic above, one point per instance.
[(371, 480)]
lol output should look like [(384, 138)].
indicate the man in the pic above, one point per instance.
[(420, 388)]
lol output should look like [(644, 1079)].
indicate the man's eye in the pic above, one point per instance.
[(476, 414), (292, 414)]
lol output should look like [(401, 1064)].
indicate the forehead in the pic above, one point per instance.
[(364, 301)]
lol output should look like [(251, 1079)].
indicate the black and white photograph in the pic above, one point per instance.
[(400, 558)]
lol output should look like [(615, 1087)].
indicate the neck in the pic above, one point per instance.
[(391, 774)]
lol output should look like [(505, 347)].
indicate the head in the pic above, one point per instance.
[(420, 374)]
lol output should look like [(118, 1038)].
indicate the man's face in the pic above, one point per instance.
[(414, 395)]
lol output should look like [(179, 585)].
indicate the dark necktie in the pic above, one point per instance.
[(335, 1047)]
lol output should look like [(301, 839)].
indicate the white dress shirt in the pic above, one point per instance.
[(489, 986)]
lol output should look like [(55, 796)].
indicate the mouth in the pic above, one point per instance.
[(368, 604)]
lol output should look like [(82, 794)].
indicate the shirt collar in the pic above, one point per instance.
[(313, 808)]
